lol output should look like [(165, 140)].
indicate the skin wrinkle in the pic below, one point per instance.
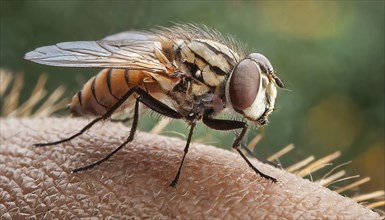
[(16, 189), (214, 183)]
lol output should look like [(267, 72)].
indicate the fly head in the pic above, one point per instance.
[(251, 89)]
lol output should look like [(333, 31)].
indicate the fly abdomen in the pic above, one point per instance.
[(104, 90)]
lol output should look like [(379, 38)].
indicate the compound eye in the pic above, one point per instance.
[(244, 84)]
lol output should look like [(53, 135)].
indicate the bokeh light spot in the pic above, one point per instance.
[(334, 123), (371, 162), (307, 19)]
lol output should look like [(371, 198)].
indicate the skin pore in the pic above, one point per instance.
[(214, 183)]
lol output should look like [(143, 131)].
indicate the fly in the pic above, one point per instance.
[(184, 72)]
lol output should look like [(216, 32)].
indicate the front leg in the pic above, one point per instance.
[(225, 125)]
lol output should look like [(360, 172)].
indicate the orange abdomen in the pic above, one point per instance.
[(104, 90)]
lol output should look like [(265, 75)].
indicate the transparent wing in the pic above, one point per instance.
[(132, 35), (131, 50)]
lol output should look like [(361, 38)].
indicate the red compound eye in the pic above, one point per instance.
[(244, 84)]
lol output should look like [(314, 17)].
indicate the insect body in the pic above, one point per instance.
[(184, 72)]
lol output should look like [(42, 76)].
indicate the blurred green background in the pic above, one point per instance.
[(330, 55)]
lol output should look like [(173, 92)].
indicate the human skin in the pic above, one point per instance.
[(215, 183)]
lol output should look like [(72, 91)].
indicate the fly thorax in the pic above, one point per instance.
[(190, 96), (204, 103), (206, 60), (218, 103)]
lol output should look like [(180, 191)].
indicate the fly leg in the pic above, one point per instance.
[(150, 102), (175, 181), (143, 97), (226, 125), (130, 138), (89, 125)]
